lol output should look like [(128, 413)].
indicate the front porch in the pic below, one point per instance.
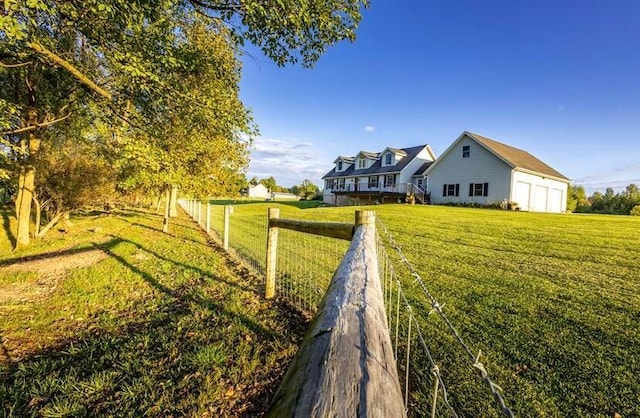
[(364, 195)]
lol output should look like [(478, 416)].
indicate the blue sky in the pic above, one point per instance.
[(559, 79)]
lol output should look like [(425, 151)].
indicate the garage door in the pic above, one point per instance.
[(555, 200), (522, 194), (539, 203)]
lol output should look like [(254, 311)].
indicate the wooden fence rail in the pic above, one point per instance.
[(345, 365)]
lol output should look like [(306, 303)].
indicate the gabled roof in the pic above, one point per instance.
[(376, 168), (343, 158), (512, 156), (368, 154), (420, 171), (397, 151)]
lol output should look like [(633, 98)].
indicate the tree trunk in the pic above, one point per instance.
[(167, 201), (20, 186), (159, 202), (173, 205), (26, 184), (23, 207)]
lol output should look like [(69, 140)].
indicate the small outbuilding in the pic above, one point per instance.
[(259, 191)]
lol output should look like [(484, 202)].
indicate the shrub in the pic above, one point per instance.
[(635, 211)]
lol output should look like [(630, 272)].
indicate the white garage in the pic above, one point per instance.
[(481, 171), (537, 193), (522, 194)]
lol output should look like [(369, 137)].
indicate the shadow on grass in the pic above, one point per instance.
[(52, 254), (181, 353), (151, 365), (6, 223), (159, 230)]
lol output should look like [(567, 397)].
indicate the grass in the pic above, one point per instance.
[(163, 326), (552, 301)]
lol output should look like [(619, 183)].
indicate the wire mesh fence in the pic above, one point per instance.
[(216, 220), (305, 266), (414, 336), (248, 236), (304, 269)]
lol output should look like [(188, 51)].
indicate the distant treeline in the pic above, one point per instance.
[(626, 202)]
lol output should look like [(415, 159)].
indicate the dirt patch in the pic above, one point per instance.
[(49, 270)]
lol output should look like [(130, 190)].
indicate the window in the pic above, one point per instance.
[(341, 184), (478, 189), (362, 163), (339, 165), (387, 158), (390, 180), (466, 151), (420, 182), (373, 182), (450, 190)]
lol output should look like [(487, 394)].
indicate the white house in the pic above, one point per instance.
[(376, 177), (259, 191), (475, 169)]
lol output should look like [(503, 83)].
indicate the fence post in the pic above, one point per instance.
[(345, 365), (272, 251), (365, 217), (208, 217), (225, 241)]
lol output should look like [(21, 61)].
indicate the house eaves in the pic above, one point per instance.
[(514, 157), (345, 159), (376, 168), (518, 159), (420, 171)]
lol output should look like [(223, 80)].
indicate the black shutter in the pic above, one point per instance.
[(444, 190), (486, 189), (470, 189), (457, 189)]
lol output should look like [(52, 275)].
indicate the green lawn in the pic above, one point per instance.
[(552, 301), (161, 326)]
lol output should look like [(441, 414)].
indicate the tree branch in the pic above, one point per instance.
[(21, 64), (35, 126), (228, 7), (69, 67)]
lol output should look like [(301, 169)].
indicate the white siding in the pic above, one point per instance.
[(481, 167), (405, 175), (522, 194), (259, 191), (545, 194)]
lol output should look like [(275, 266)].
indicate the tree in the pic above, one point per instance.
[(73, 174), (288, 31), (117, 52), (307, 189), (616, 203), (270, 183), (629, 198), (576, 198)]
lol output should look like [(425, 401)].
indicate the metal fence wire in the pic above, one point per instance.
[(305, 265)]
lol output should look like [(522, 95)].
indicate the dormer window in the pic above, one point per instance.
[(387, 158), (466, 151), (362, 163), (339, 165)]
